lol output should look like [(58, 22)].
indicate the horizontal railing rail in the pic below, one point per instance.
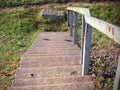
[(88, 22), (110, 30)]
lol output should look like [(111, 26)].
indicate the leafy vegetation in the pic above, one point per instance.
[(109, 13)]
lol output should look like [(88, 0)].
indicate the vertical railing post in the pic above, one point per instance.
[(117, 78), (82, 37), (70, 17), (76, 28), (86, 49)]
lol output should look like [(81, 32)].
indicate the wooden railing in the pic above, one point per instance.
[(88, 22)]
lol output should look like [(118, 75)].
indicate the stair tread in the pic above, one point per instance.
[(66, 86), (48, 71), (49, 61), (51, 80)]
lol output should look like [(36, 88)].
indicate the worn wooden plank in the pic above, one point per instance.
[(71, 22), (82, 36), (108, 29), (68, 17), (48, 67), (76, 29), (86, 37), (117, 78), (83, 11), (86, 49)]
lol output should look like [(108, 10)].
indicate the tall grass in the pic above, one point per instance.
[(17, 31)]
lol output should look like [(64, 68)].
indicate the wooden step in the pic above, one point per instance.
[(53, 53), (30, 54), (49, 81), (29, 62), (55, 46), (54, 49), (67, 86), (48, 72)]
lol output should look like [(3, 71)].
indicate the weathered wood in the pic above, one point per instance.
[(117, 78), (82, 37), (86, 49), (108, 29), (86, 38), (83, 11), (68, 18), (71, 22), (44, 67), (76, 28)]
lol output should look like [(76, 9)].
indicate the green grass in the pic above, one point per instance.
[(17, 32)]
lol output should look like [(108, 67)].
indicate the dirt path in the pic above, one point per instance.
[(53, 5)]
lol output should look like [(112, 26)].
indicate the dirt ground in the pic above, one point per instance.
[(53, 5)]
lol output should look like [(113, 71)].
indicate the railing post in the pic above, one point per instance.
[(117, 78), (82, 37), (86, 49), (70, 17), (76, 28)]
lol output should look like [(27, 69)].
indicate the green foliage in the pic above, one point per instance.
[(17, 32), (109, 13)]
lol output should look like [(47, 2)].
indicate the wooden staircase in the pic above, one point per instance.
[(51, 63)]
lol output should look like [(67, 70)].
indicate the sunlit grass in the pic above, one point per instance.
[(17, 32)]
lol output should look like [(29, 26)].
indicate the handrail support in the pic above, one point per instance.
[(75, 28)]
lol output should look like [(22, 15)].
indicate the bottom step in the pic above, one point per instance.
[(51, 81), (67, 86)]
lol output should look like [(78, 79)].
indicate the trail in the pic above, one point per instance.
[(53, 5)]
